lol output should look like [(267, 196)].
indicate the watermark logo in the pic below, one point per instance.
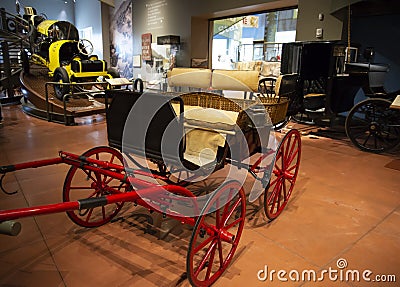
[(338, 273)]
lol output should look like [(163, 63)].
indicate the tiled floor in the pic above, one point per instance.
[(346, 206)]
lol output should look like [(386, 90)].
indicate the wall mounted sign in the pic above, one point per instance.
[(146, 46), (156, 11)]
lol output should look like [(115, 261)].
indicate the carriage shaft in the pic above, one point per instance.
[(37, 210), (30, 164), (87, 203), (144, 192)]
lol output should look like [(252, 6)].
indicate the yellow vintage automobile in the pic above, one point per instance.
[(69, 59)]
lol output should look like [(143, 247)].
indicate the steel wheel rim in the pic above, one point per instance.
[(205, 248), (283, 176), (372, 126), (96, 186)]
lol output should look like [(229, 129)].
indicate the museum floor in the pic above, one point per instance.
[(345, 209)]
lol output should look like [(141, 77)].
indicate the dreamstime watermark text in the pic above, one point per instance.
[(339, 273)]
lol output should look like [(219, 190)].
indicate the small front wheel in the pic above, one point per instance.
[(81, 183), (113, 73)]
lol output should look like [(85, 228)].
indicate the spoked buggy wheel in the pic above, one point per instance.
[(82, 183), (372, 126), (283, 176), (216, 234)]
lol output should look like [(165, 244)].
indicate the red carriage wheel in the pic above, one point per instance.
[(284, 172), (82, 183), (216, 234)]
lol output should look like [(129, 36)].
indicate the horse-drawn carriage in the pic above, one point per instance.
[(325, 91), (159, 144)]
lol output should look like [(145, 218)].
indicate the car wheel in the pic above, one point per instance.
[(61, 76)]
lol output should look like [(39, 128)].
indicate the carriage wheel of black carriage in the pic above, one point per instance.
[(372, 126), (61, 76)]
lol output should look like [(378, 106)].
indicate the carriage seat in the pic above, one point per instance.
[(205, 132), (196, 146), (209, 118)]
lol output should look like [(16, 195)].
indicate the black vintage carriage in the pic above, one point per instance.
[(324, 90), (154, 155)]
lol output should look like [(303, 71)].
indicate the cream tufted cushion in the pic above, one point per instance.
[(189, 77), (235, 80), (208, 117), (212, 118), (269, 69)]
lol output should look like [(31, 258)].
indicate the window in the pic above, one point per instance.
[(252, 37)]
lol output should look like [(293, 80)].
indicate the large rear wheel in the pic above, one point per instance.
[(216, 234), (372, 126)]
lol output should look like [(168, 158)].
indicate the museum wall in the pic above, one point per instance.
[(189, 20), (308, 21), (90, 26), (384, 37), (163, 17)]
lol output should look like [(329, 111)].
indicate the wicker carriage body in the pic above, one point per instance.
[(276, 108), (254, 122)]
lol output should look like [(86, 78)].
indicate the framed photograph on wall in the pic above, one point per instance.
[(137, 61)]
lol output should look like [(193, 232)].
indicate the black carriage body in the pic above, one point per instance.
[(321, 69), (252, 124)]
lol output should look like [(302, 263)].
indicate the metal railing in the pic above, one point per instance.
[(76, 89), (14, 36)]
